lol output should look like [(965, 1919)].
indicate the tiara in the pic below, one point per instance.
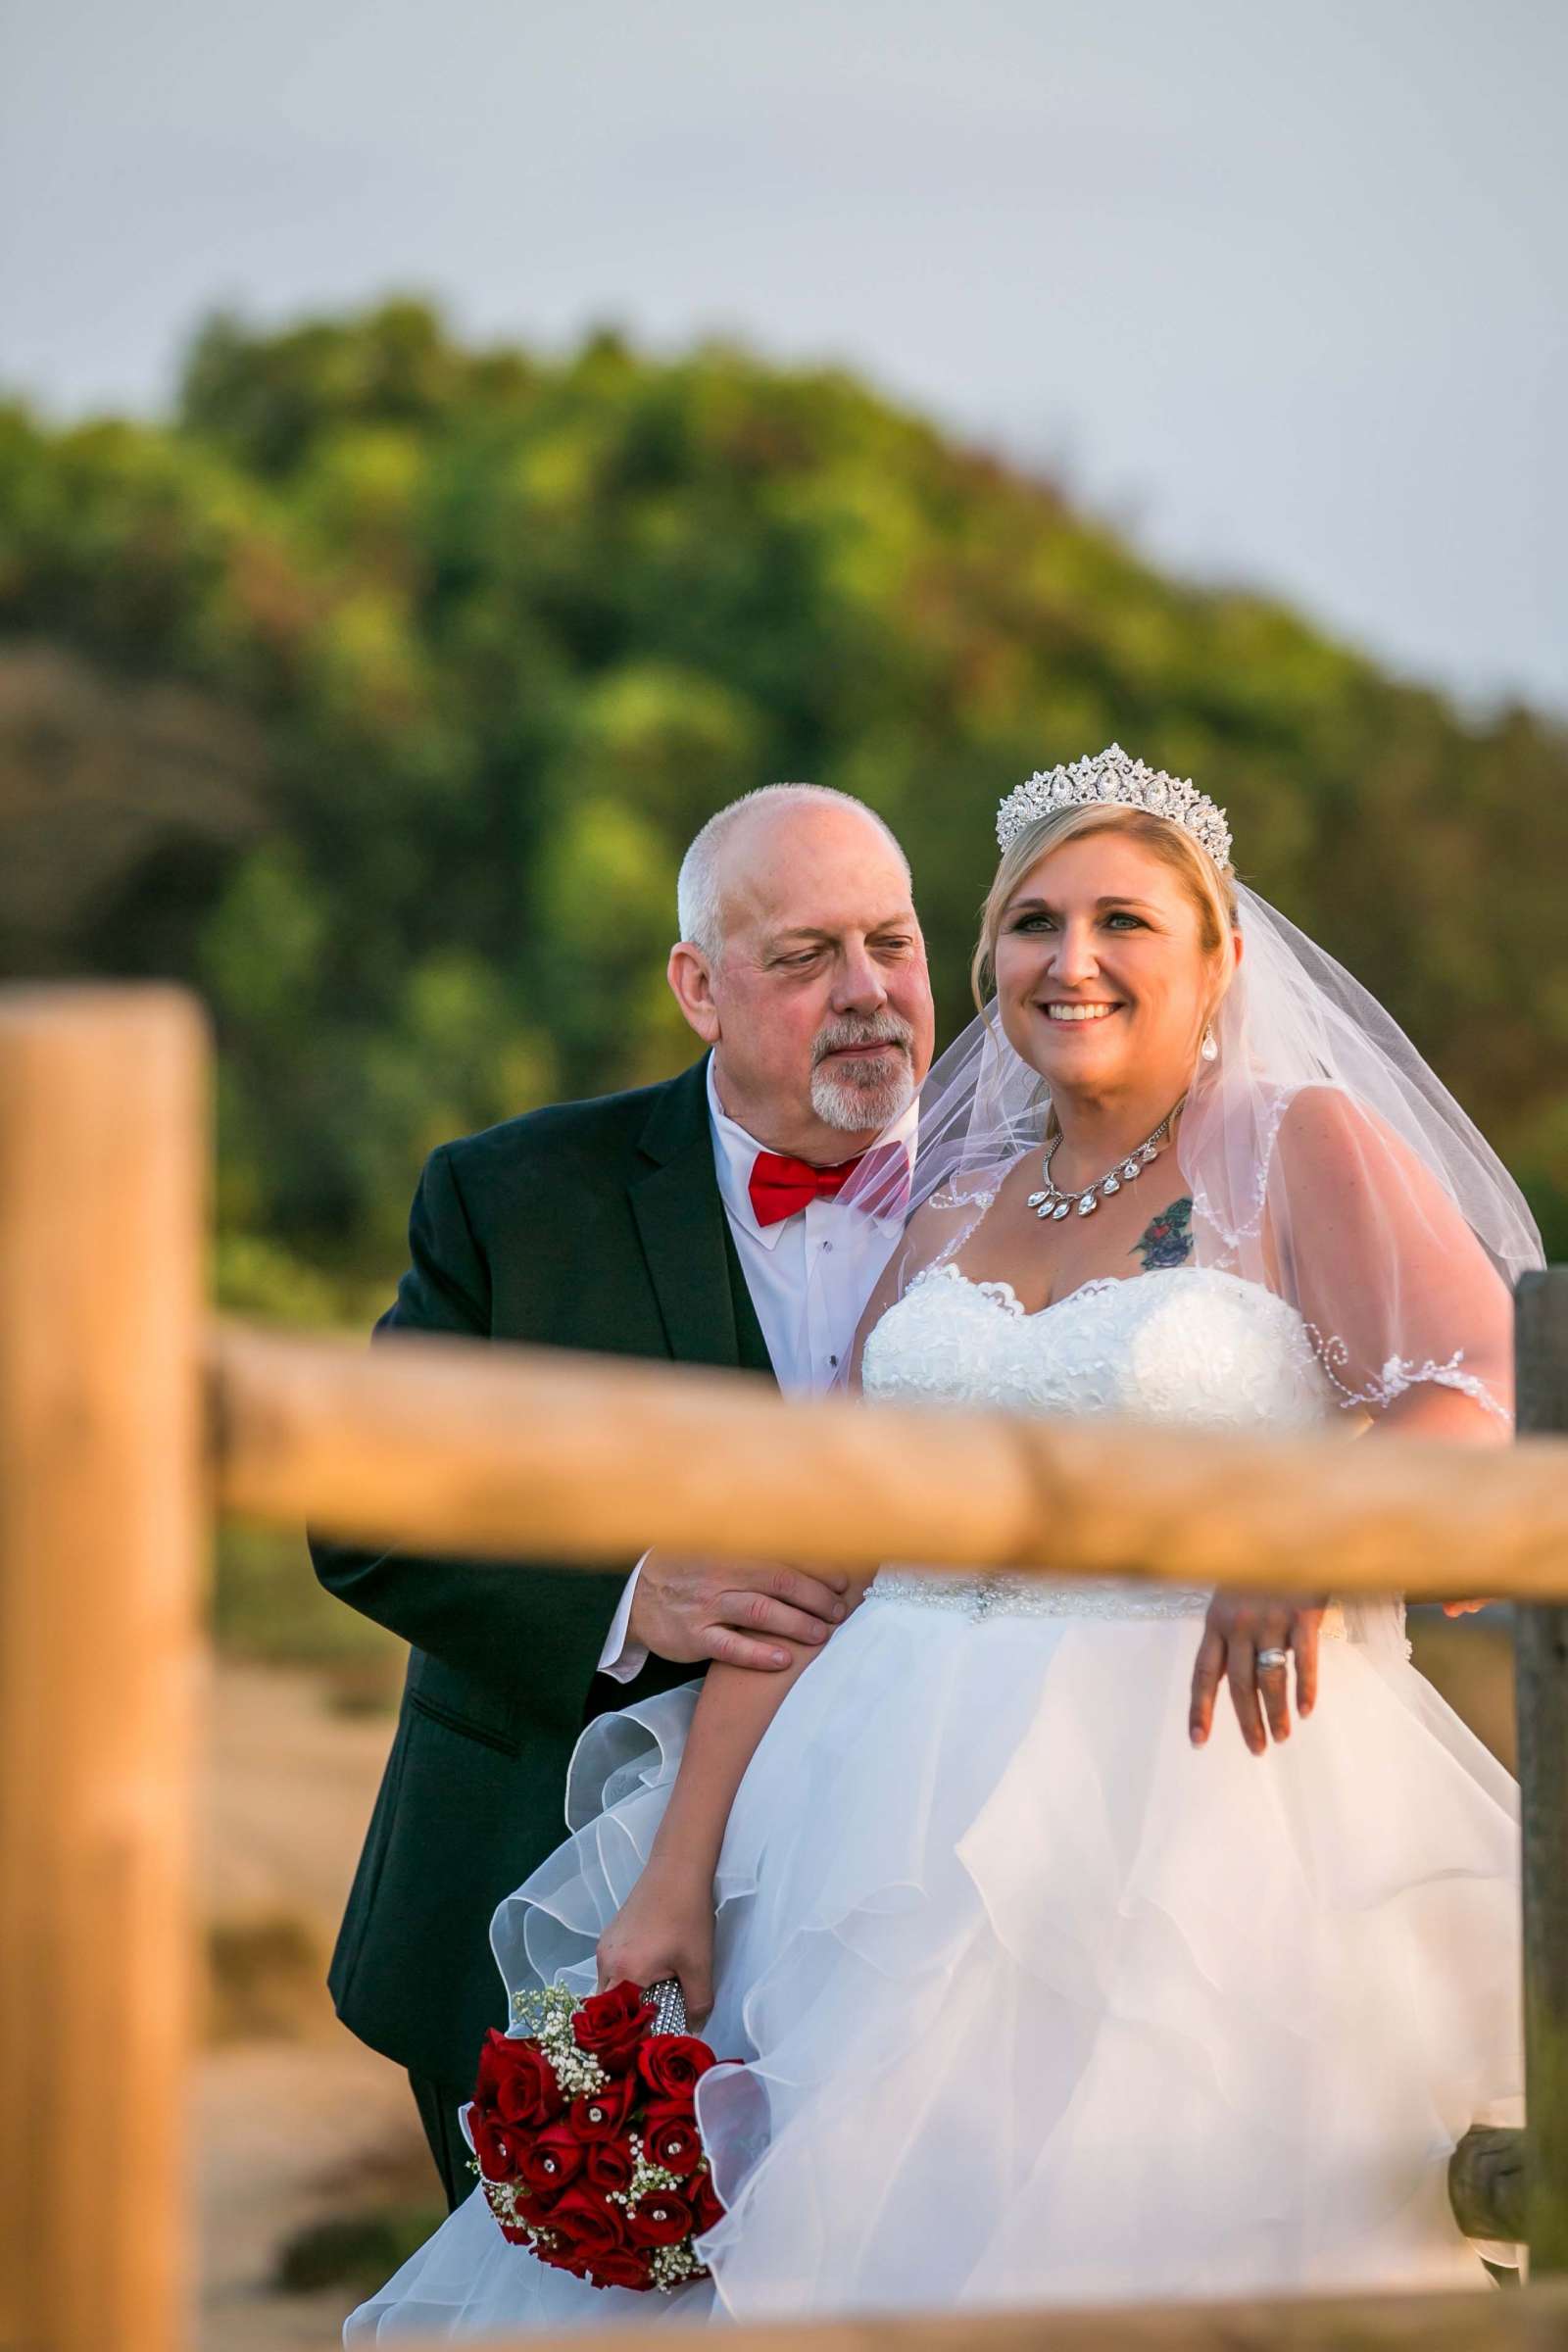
[(1111, 776)]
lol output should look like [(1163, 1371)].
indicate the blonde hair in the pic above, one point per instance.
[(1211, 892)]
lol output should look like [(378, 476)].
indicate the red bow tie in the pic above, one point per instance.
[(781, 1187)]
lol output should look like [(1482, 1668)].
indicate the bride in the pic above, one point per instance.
[(1044, 1988)]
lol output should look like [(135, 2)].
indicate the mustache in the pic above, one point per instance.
[(871, 1029)]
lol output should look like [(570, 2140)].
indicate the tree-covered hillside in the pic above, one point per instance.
[(379, 692)]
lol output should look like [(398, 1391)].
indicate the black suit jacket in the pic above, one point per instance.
[(588, 1225)]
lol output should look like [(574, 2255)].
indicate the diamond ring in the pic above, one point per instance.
[(1270, 1659)]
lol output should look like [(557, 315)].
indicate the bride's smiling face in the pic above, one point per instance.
[(1102, 981)]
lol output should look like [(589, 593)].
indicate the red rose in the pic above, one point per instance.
[(517, 2080), (553, 2159), (585, 2224), (661, 2218), (618, 2267), (607, 2164), (609, 2025), (500, 2146), (670, 2138), (673, 2064), (707, 2207), (603, 2114)]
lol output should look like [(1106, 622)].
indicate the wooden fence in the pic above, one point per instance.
[(125, 1421)]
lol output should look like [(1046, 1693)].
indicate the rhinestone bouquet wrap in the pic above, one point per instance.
[(669, 2006), (1110, 776), (583, 2126)]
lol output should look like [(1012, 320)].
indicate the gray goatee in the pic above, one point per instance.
[(856, 1095)]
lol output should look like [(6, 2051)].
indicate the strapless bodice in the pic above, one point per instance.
[(1185, 1344)]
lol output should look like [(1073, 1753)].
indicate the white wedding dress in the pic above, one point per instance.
[(1038, 2004)]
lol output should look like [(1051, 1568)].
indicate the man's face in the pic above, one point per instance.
[(818, 1006)]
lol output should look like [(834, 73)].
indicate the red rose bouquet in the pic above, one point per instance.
[(584, 2127)]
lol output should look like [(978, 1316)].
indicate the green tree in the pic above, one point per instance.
[(380, 690)]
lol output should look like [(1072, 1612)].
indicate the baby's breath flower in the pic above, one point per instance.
[(669, 2267), (646, 2175), (545, 2013)]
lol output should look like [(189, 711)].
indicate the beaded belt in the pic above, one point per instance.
[(1008, 1596)]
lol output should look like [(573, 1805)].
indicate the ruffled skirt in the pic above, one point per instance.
[(1036, 2003)]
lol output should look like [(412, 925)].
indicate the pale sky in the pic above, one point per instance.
[(1282, 289)]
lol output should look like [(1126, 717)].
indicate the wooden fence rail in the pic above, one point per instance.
[(1541, 1648), (122, 1424), (1534, 2321), (513, 1452)]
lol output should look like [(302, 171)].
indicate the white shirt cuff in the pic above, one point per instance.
[(621, 1658)]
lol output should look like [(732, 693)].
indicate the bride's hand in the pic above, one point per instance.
[(1238, 1626), (665, 1928)]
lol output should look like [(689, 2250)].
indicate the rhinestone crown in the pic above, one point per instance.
[(1111, 776)]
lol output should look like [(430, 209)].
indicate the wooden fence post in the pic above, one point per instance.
[(103, 1149), (1541, 1667)]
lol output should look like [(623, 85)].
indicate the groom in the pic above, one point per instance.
[(690, 1221)]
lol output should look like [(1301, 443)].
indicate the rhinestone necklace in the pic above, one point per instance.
[(1055, 1202)]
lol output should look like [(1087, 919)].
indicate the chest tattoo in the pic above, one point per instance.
[(1166, 1240)]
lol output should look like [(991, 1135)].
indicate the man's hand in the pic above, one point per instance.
[(728, 1609), (1251, 1640)]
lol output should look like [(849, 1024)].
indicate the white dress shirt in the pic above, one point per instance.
[(810, 1277)]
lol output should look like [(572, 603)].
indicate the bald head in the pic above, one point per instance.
[(801, 965), (738, 839)]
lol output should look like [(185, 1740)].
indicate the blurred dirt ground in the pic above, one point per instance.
[(313, 2176), (297, 2124)]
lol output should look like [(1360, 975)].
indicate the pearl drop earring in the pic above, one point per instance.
[(1208, 1049)]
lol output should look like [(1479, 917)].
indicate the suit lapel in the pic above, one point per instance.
[(753, 1346), (681, 1225)]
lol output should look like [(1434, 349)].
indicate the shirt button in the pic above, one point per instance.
[(826, 1247), (833, 1359)]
